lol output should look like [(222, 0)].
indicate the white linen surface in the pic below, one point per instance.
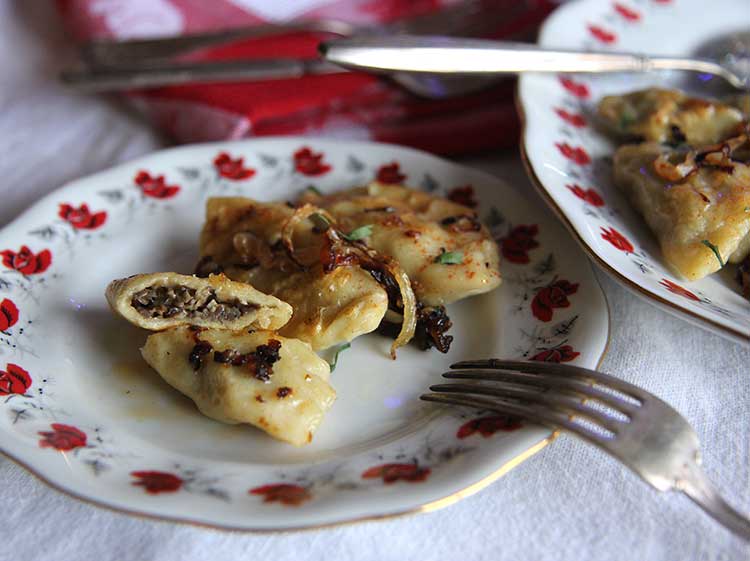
[(569, 502)]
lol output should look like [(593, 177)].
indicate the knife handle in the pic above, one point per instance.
[(102, 79)]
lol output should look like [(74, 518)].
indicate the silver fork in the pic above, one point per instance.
[(639, 429)]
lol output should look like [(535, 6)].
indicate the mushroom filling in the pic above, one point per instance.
[(182, 302)]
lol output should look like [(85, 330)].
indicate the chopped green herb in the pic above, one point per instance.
[(314, 189), (747, 209), (624, 123), (627, 118), (339, 350), (450, 257), (359, 233), (320, 221), (715, 249)]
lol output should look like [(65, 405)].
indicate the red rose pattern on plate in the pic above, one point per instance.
[(489, 425), (617, 239), (603, 35), (390, 173), (573, 119), (463, 195), (575, 154), (82, 218), (155, 187), (62, 437), (26, 261), (232, 168), (515, 246), (551, 297), (390, 473), (578, 89), (309, 163), (677, 289), (284, 493), (588, 195), (627, 13), (561, 353), (155, 482), (14, 380), (8, 314)]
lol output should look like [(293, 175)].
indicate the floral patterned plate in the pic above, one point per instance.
[(569, 160), (81, 409)]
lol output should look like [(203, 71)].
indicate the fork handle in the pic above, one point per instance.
[(696, 485)]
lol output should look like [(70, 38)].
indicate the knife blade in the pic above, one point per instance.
[(452, 55)]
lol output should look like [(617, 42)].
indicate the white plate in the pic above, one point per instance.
[(568, 159), (92, 419)]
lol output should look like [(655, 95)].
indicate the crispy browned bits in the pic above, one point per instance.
[(462, 223), (200, 350), (432, 324), (281, 393), (260, 361)]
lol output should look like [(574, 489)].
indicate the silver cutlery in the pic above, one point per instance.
[(481, 57), (112, 65), (639, 429)]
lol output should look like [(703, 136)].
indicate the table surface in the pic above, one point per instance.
[(567, 502)]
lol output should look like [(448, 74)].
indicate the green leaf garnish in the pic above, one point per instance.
[(450, 257), (715, 249), (359, 233), (340, 349), (314, 189), (627, 118), (747, 209)]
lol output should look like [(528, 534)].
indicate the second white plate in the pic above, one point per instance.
[(570, 161)]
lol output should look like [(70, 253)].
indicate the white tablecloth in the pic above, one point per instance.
[(568, 502)]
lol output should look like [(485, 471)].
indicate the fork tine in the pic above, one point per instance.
[(555, 369), (575, 386), (568, 406), (534, 414)]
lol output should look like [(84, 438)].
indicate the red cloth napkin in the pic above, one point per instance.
[(350, 105)]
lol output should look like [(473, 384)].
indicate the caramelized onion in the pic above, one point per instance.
[(675, 172), (715, 155), (340, 252), (307, 256), (722, 155), (409, 323)]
